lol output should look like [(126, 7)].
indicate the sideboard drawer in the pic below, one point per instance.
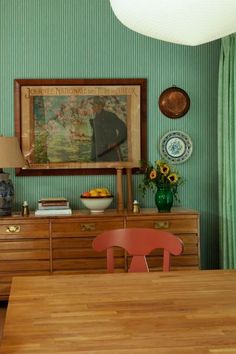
[(84, 227), (21, 229), (171, 224)]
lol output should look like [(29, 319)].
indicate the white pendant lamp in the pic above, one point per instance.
[(188, 22)]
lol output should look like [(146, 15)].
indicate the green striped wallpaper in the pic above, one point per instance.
[(83, 39)]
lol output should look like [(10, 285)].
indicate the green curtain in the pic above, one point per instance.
[(227, 152)]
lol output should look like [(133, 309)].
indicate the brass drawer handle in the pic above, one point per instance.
[(161, 225), (13, 229), (88, 227)]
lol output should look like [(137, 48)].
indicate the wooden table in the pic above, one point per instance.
[(175, 313)]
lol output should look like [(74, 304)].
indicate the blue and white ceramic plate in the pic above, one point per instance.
[(176, 146)]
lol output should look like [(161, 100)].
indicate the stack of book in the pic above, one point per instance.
[(53, 206)]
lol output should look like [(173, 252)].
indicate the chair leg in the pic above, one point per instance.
[(166, 261), (110, 260)]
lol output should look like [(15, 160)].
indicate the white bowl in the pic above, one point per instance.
[(97, 204)]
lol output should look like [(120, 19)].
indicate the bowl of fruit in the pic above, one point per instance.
[(97, 199)]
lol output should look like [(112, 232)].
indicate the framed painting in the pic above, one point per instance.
[(80, 126)]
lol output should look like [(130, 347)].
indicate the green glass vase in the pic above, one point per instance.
[(164, 199)]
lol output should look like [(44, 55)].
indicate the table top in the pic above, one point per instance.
[(178, 312)]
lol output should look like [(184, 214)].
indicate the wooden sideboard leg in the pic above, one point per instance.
[(120, 202)]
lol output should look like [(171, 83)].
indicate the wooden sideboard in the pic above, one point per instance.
[(36, 245)]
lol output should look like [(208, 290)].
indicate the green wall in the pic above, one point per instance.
[(83, 39)]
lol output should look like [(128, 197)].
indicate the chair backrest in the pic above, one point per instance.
[(138, 242)]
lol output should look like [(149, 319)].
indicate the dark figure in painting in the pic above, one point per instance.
[(109, 132)]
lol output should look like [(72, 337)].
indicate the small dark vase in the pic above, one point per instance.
[(164, 199)]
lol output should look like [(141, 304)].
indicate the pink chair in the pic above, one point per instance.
[(138, 243)]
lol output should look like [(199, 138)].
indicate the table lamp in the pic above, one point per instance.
[(10, 156)]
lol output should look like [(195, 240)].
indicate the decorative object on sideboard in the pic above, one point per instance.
[(25, 208), (164, 199), (97, 192), (53, 212), (97, 199), (129, 189), (53, 206), (176, 20), (174, 102), (176, 146), (164, 181), (97, 204), (10, 157), (119, 190), (136, 207)]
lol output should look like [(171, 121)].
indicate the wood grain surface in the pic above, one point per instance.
[(175, 313), (63, 244)]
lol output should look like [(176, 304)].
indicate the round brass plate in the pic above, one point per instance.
[(174, 102)]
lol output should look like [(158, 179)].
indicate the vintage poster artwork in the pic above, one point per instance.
[(67, 128), (68, 124)]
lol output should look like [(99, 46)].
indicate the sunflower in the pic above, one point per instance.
[(153, 174), (173, 178), (160, 175), (165, 169)]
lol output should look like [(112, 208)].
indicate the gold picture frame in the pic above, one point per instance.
[(59, 131)]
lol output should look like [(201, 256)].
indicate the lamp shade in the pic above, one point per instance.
[(10, 156), (10, 153), (188, 22)]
